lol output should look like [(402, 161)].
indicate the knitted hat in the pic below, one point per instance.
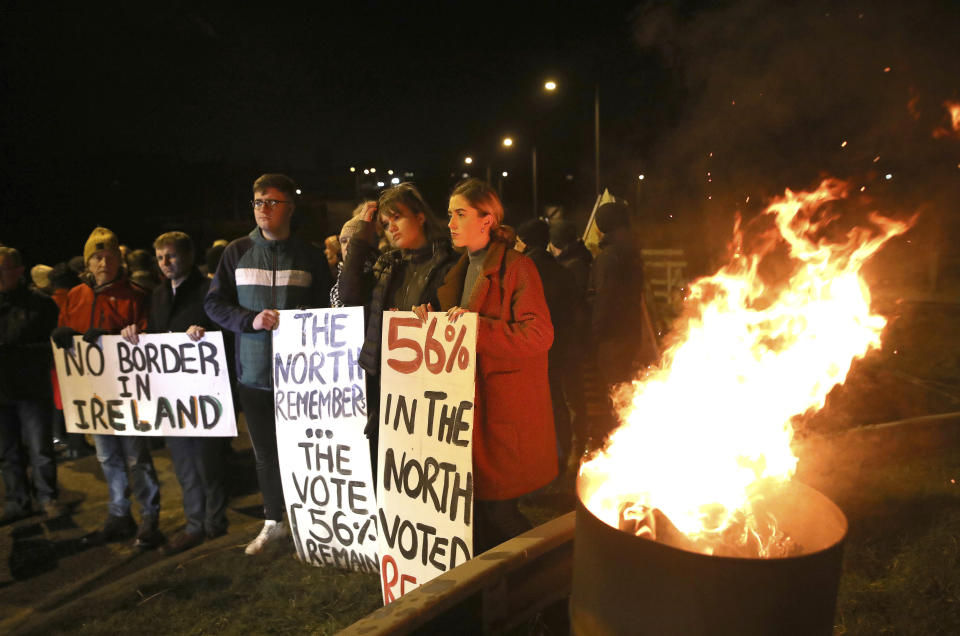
[(100, 239), (40, 275), (351, 227), (535, 233)]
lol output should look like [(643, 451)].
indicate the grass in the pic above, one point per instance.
[(902, 560), (901, 572), (227, 592)]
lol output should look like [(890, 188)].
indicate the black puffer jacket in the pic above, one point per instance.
[(26, 320), (382, 282)]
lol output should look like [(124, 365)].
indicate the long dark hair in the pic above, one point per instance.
[(408, 195)]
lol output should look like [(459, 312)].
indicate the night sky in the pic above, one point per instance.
[(147, 119)]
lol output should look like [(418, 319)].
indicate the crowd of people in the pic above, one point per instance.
[(537, 291)]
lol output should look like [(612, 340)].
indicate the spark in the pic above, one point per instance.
[(876, 159), (844, 144)]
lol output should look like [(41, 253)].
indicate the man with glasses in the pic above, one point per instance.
[(259, 274)]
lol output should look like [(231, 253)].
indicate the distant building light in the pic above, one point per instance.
[(507, 141), (298, 191), (465, 175), (366, 171), (504, 174), (389, 171), (380, 184), (395, 180), (569, 177), (550, 85), (353, 169), (889, 176), (468, 160), (372, 170), (641, 177), (408, 174)]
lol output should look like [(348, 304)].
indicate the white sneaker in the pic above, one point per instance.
[(272, 530)]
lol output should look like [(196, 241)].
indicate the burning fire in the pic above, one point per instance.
[(953, 130), (709, 431)]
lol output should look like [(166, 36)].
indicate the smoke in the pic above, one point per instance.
[(779, 95)]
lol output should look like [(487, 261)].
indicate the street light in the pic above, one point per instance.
[(468, 160), (507, 142), (551, 86)]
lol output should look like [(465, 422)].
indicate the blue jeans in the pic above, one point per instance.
[(198, 463), (116, 454), (27, 422)]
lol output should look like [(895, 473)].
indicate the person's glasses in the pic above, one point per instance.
[(269, 203)]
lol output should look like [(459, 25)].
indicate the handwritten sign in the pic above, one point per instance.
[(425, 466), (320, 409), (165, 385)]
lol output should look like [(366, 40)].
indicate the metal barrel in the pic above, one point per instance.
[(624, 584)]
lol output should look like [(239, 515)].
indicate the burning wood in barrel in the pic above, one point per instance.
[(696, 484)]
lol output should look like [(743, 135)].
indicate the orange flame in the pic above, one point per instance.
[(953, 128), (704, 431)]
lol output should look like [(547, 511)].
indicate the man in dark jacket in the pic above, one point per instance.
[(26, 320), (177, 306), (259, 274), (560, 290), (616, 283)]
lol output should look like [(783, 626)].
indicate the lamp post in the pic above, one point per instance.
[(550, 86)]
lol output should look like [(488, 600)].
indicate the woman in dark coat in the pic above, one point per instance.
[(404, 278), (514, 444)]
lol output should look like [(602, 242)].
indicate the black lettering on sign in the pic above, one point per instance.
[(422, 482), (408, 413), (208, 356), (82, 424), (95, 361), (143, 386)]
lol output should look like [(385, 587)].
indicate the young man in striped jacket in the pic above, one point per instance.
[(259, 274)]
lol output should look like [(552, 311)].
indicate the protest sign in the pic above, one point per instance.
[(165, 385), (424, 464), (320, 409)]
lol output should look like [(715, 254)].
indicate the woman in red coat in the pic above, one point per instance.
[(514, 444)]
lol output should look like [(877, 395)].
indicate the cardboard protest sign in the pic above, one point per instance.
[(425, 464), (165, 385), (320, 409)]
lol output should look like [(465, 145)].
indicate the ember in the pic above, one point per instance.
[(706, 436)]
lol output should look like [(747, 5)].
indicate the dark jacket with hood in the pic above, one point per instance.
[(26, 320), (374, 289)]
